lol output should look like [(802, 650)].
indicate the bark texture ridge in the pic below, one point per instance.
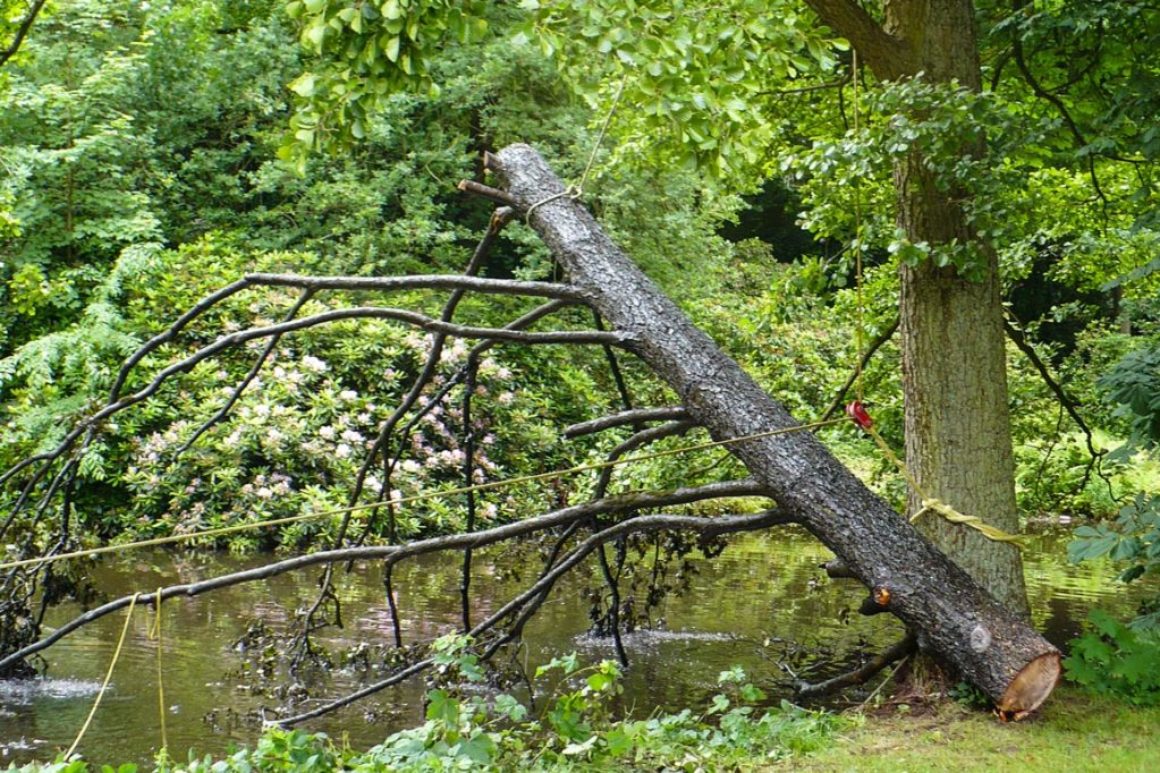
[(952, 616)]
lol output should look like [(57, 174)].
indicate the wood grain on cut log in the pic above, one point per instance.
[(952, 617)]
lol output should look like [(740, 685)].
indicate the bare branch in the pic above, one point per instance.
[(636, 416), (614, 367), (1057, 103), (498, 221), (859, 675), (888, 55), (395, 553), (21, 31), (1066, 403), (167, 335), (468, 481), (642, 438), (476, 351), (836, 570), (365, 692), (244, 384), (421, 282), (837, 83), (707, 526), (123, 374), (1019, 338), (486, 191), (418, 320), (361, 312)]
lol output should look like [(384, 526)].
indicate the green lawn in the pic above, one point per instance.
[(1073, 732)]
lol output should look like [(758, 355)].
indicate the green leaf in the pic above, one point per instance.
[(303, 85)]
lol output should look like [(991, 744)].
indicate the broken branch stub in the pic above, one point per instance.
[(952, 616)]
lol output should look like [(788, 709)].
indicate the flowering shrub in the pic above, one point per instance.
[(298, 435)]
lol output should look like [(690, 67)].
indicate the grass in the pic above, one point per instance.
[(1073, 732)]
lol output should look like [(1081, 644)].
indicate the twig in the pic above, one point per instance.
[(636, 416), (834, 84), (709, 526), (476, 351), (468, 481), (244, 384), (859, 675), (21, 31), (362, 312), (487, 192), (498, 220), (460, 282), (1095, 455), (638, 440), (884, 682), (167, 335), (1018, 338)]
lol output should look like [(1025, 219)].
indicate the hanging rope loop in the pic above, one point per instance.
[(108, 678), (576, 191)]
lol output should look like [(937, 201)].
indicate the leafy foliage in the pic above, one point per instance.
[(575, 728), (373, 50), (1133, 384), (1116, 659), (1133, 538)]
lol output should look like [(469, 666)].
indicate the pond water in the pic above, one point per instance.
[(762, 604)]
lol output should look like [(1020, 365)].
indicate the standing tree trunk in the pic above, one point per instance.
[(958, 435), (953, 617)]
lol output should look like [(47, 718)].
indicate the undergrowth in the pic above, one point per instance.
[(573, 727)]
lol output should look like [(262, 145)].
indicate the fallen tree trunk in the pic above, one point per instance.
[(953, 618)]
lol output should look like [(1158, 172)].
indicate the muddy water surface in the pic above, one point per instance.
[(762, 604)]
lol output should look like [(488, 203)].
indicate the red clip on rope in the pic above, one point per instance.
[(857, 412)]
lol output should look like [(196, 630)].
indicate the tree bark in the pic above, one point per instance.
[(958, 434), (953, 617)]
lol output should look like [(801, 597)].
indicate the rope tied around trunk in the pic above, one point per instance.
[(577, 190), (857, 413)]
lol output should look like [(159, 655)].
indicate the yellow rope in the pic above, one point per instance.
[(155, 633), (108, 678), (954, 516), (860, 330), (223, 530), (931, 504)]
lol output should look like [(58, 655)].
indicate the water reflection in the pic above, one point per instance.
[(762, 604)]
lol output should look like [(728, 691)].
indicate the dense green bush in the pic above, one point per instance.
[(1133, 385), (1116, 659)]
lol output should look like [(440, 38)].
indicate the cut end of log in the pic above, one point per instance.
[(1030, 687)]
